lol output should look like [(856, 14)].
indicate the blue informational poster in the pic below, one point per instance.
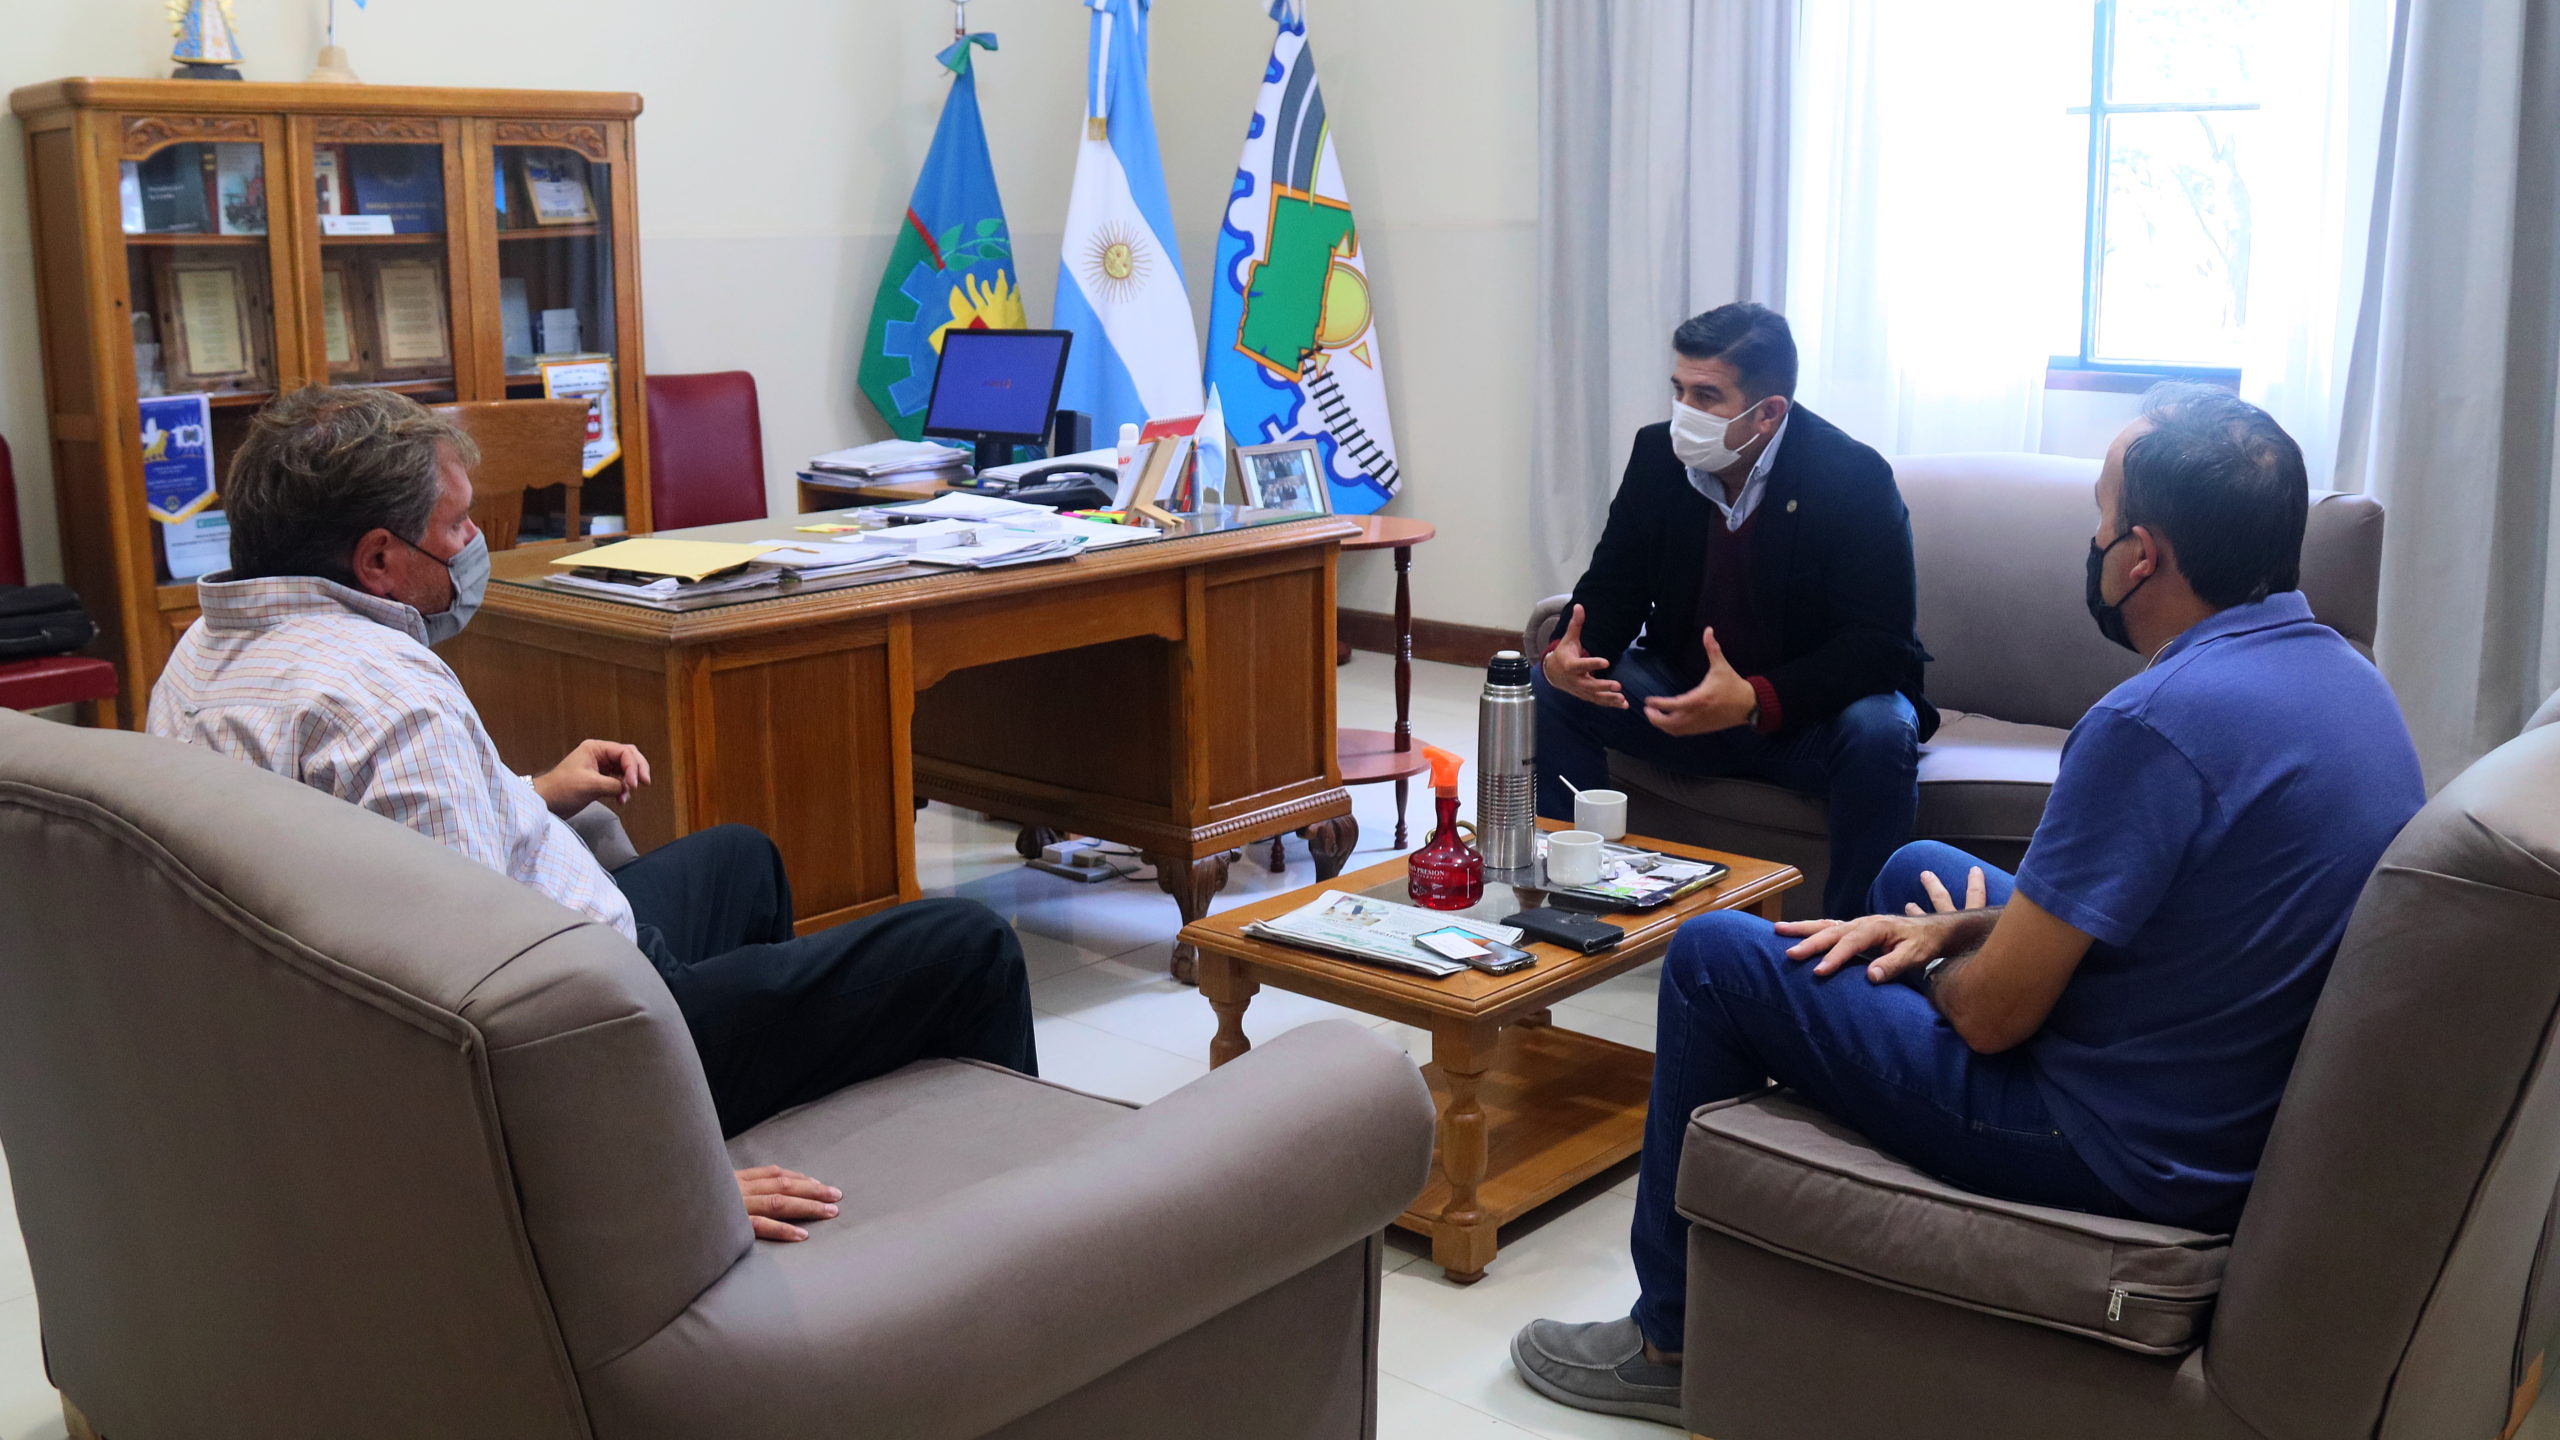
[(177, 455)]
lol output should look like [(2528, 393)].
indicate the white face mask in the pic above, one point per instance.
[(1698, 437)]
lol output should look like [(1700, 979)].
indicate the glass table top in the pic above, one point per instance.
[(527, 569)]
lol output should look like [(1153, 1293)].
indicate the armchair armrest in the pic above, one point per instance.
[(605, 838), (1546, 621), (955, 1318)]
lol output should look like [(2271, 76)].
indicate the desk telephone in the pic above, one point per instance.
[(1068, 485)]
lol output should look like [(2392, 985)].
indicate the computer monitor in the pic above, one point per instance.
[(997, 388)]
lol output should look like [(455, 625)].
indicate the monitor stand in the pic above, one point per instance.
[(992, 453)]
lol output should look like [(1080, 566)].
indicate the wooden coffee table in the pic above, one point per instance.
[(1527, 1110)]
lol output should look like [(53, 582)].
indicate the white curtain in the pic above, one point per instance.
[(2453, 405), (2322, 83), (1662, 163), (1934, 215)]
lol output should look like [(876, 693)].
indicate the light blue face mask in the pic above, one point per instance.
[(469, 568)]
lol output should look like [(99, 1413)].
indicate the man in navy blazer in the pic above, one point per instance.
[(1749, 609)]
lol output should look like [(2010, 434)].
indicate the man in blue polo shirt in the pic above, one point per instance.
[(2111, 1030)]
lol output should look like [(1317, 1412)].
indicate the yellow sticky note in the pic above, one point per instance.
[(683, 559)]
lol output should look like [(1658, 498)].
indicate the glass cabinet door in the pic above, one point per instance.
[(559, 320), (200, 277), (383, 313)]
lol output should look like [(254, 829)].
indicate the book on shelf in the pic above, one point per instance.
[(240, 189), (403, 182), (177, 196), (329, 177)]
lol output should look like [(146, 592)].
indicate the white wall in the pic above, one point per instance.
[(781, 138)]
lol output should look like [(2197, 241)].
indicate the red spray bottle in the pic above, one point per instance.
[(1447, 873)]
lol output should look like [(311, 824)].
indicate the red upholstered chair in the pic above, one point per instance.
[(55, 679), (706, 450)]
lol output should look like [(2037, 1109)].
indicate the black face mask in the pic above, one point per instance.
[(2110, 618)]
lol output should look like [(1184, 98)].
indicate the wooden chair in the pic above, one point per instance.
[(524, 445)]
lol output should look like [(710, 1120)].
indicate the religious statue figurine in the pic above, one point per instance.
[(207, 48)]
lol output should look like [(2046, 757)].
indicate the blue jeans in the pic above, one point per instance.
[(1736, 1013), (1865, 761)]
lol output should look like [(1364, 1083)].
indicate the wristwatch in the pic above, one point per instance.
[(1929, 976)]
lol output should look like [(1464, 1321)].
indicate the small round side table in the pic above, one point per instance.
[(1369, 756)]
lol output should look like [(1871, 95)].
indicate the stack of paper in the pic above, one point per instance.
[(964, 507), (914, 459), (816, 562), (994, 549)]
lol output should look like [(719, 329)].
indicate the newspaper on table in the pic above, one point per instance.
[(1378, 932)]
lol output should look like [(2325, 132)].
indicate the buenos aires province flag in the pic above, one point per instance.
[(1135, 355), (951, 267), (1294, 352)]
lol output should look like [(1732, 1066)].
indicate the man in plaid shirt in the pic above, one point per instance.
[(353, 551)]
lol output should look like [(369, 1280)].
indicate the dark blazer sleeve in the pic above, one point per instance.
[(1866, 540), (1616, 590)]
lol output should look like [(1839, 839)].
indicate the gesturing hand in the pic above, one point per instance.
[(775, 1197), (1719, 702), (1576, 671), (596, 770)]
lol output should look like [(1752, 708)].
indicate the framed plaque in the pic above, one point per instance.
[(345, 336), (410, 339), (212, 308), (555, 183)]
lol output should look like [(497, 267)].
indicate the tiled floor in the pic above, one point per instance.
[(1111, 1021)]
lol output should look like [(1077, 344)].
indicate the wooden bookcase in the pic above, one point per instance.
[(449, 168)]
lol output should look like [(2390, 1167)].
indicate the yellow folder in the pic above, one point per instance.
[(683, 559)]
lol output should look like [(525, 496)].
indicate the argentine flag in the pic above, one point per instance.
[(1135, 356)]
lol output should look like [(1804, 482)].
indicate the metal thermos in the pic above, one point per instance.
[(1507, 765)]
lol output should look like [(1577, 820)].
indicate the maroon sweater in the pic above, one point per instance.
[(1724, 606)]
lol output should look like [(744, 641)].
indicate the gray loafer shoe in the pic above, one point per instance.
[(1599, 1366)]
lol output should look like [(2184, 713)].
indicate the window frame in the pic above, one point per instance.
[(2085, 371)]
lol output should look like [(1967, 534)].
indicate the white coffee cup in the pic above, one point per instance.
[(1602, 812), (1573, 858)]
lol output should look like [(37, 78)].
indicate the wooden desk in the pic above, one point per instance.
[(1176, 696), (1527, 1110)]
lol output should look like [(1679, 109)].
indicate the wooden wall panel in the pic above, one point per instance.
[(1267, 683), (801, 748)]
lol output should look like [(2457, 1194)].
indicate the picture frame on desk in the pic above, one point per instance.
[(1286, 476), (212, 308)]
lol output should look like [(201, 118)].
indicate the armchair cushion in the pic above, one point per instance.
[(1774, 1171), (1107, 1233), (1986, 779)]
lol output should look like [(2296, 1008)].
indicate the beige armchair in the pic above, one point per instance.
[(2396, 1273), (2014, 661), (318, 1129)]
